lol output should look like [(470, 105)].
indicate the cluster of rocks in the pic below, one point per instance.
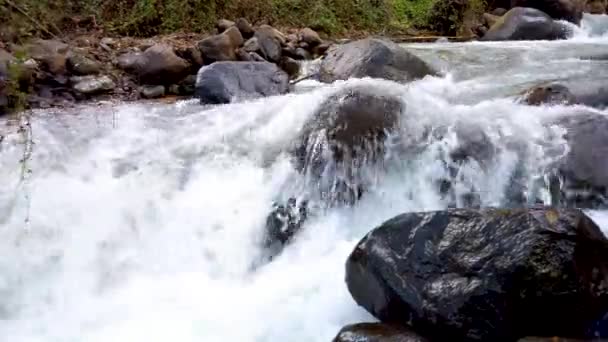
[(47, 73)]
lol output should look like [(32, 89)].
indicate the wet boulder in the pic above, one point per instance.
[(485, 274), (568, 10), (225, 82), (550, 94), (221, 47), (592, 93), (372, 58), (157, 65), (346, 134), (377, 332), (522, 23)]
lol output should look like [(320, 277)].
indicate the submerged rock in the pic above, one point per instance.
[(484, 275), (548, 94), (569, 10), (282, 224), (372, 58), (522, 23), (224, 82), (377, 332), (592, 93)]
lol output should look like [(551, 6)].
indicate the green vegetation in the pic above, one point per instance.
[(151, 17)]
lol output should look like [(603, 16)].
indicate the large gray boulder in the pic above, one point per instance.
[(484, 275), (372, 58), (225, 82), (522, 23), (569, 10)]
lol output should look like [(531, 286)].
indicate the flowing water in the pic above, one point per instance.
[(140, 222)]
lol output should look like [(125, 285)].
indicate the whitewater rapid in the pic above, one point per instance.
[(140, 222)]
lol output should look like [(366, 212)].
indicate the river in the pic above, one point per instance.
[(139, 222)]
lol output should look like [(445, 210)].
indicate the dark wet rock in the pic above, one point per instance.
[(270, 41), (584, 169), (81, 65), (291, 67), (157, 65), (152, 91), (188, 85), (282, 224), (522, 23), (377, 332), (224, 24), (245, 27), (310, 37), (346, 134), (221, 47), (592, 93), (91, 85), (372, 58), (252, 45), (484, 275), (548, 94), (568, 10), (224, 82), (51, 54)]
